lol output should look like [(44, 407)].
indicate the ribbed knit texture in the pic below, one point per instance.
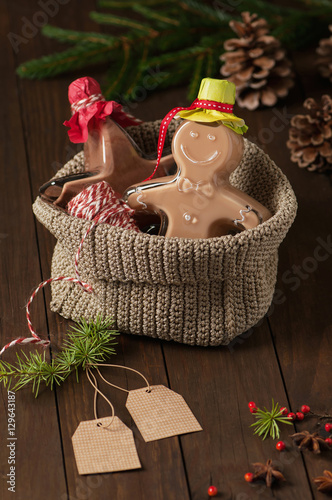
[(200, 291)]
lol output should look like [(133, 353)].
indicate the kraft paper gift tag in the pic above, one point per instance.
[(99, 448), (160, 413)]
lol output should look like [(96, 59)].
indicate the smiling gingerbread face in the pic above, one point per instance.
[(205, 148)]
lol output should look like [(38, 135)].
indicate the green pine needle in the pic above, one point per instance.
[(71, 36), (155, 16), (197, 77), (267, 421), (89, 343), (76, 57), (215, 15), (121, 22)]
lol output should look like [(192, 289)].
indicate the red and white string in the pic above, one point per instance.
[(35, 339), (87, 101), (100, 204)]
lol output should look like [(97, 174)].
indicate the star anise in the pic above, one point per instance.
[(313, 442), (267, 472), (324, 483)]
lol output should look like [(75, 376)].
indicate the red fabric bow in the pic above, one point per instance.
[(89, 108)]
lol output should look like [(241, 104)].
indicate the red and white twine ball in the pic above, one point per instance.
[(100, 204)]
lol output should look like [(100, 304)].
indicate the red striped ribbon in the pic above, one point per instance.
[(198, 103)]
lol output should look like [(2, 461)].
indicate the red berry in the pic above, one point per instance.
[(280, 445), (212, 491), (328, 441), (305, 409), (249, 477), (299, 416), (251, 404), (328, 427), (253, 410), (291, 416), (284, 410)]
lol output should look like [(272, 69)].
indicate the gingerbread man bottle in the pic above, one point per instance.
[(199, 201), (109, 152)]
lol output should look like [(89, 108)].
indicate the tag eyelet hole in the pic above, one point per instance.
[(148, 391), (99, 424)]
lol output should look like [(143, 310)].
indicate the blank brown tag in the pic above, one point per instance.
[(104, 449), (160, 413)]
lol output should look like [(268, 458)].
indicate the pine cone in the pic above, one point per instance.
[(324, 63), (310, 136), (256, 63)]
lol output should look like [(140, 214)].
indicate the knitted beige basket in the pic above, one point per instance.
[(199, 292)]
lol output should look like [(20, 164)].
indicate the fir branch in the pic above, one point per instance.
[(7, 371), (110, 19), (151, 14), (211, 65), (141, 65), (71, 36), (188, 33), (35, 369), (113, 88), (197, 77), (181, 55), (76, 57), (88, 344), (267, 421), (215, 15), (167, 79), (168, 40)]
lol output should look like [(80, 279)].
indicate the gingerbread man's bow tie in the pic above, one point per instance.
[(205, 188)]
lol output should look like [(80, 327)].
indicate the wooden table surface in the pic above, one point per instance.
[(286, 357)]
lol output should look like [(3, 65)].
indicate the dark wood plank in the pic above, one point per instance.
[(218, 384), (37, 433), (301, 324), (162, 474)]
